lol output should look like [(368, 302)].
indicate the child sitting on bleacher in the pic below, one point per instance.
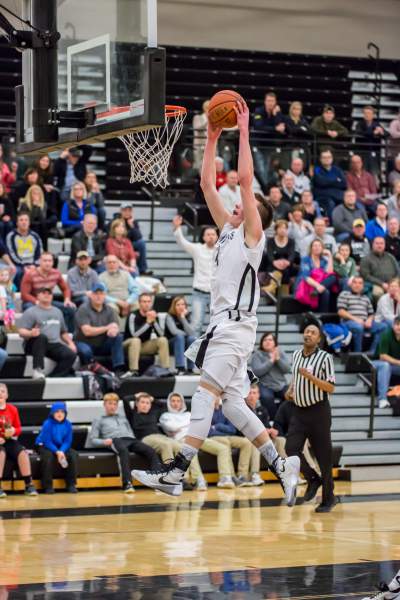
[(7, 298), (54, 444)]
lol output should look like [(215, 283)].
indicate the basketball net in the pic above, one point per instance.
[(150, 150)]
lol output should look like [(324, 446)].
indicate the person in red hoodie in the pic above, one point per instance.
[(10, 429)]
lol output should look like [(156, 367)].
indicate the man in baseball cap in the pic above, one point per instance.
[(81, 278)]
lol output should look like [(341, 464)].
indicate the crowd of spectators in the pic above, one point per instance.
[(334, 246)]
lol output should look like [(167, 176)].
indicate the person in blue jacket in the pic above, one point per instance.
[(329, 183), (377, 227), (54, 444), (74, 209)]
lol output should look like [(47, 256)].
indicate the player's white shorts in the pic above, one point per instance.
[(224, 350)]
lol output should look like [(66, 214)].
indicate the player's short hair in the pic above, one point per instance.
[(265, 211)]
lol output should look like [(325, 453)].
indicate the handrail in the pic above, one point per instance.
[(378, 75), (277, 301), (372, 385), (195, 214)]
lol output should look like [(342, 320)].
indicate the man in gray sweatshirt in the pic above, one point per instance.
[(379, 267), (345, 214), (113, 431)]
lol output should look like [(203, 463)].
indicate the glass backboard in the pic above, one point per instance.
[(104, 62)]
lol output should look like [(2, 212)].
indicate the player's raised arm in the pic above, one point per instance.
[(252, 220), (208, 179)]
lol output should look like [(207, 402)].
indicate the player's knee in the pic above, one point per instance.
[(239, 414), (202, 410)]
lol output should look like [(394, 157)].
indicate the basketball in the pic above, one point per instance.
[(221, 111)]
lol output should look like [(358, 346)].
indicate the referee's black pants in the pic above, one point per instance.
[(313, 423)]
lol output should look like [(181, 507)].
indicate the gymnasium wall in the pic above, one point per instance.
[(339, 27)]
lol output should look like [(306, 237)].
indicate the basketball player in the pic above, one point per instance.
[(223, 351)]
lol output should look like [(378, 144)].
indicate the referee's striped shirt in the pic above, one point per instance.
[(320, 364)]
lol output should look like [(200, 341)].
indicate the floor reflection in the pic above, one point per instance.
[(333, 582)]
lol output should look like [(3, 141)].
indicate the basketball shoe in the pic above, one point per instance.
[(167, 478), (387, 592), (287, 471)]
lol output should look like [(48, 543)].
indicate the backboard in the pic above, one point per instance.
[(107, 57)]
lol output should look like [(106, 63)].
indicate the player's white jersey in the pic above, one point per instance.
[(234, 283)]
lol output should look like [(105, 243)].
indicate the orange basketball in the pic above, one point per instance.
[(221, 111)]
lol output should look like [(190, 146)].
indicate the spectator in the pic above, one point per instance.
[(278, 260), (41, 218), (7, 176), (289, 193), (24, 247), (310, 206), (74, 209), (295, 124), (175, 423), (253, 402), (95, 197), (45, 335), (31, 177), (388, 307), (344, 265), (392, 239), (97, 331), (200, 122), (326, 127), (81, 278), (316, 269), (388, 364), (378, 268), (135, 236), (224, 432), (299, 228), (120, 246), (220, 172), (5, 259), (45, 276), (393, 202), (377, 227), (280, 208), (358, 242), (394, 132), (144, 420), (71, 167), (394, 175), (370, 132), (202, 255), (89, 240), (10, 430), (329, 183), (319, 234), (270, 364), (179, 333), (7, 298), (345, 214), (114, 431), (268, 123), (369, 128), (139, 328), (122, 289), (302, 182), (357, 313), (45, 168), (362, 182), (230, 191), (54, 443), (7, 213)]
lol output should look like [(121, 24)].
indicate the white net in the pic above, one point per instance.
[(150, 150)]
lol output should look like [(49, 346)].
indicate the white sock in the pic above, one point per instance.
[(188, 451), (269, 452)]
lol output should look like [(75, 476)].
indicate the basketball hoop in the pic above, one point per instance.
[(150, 150)]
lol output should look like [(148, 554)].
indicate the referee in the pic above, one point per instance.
[(312, 383)]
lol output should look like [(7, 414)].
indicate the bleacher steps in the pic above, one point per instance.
[(375, 473)]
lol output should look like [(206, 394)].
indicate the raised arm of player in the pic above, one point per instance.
[(252, 220), (208, 179)]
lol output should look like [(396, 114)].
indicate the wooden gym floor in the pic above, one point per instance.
[(218, 544)]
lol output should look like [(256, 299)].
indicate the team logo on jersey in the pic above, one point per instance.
[(225, 237)]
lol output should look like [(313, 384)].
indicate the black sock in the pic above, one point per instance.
[(28, 480)]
